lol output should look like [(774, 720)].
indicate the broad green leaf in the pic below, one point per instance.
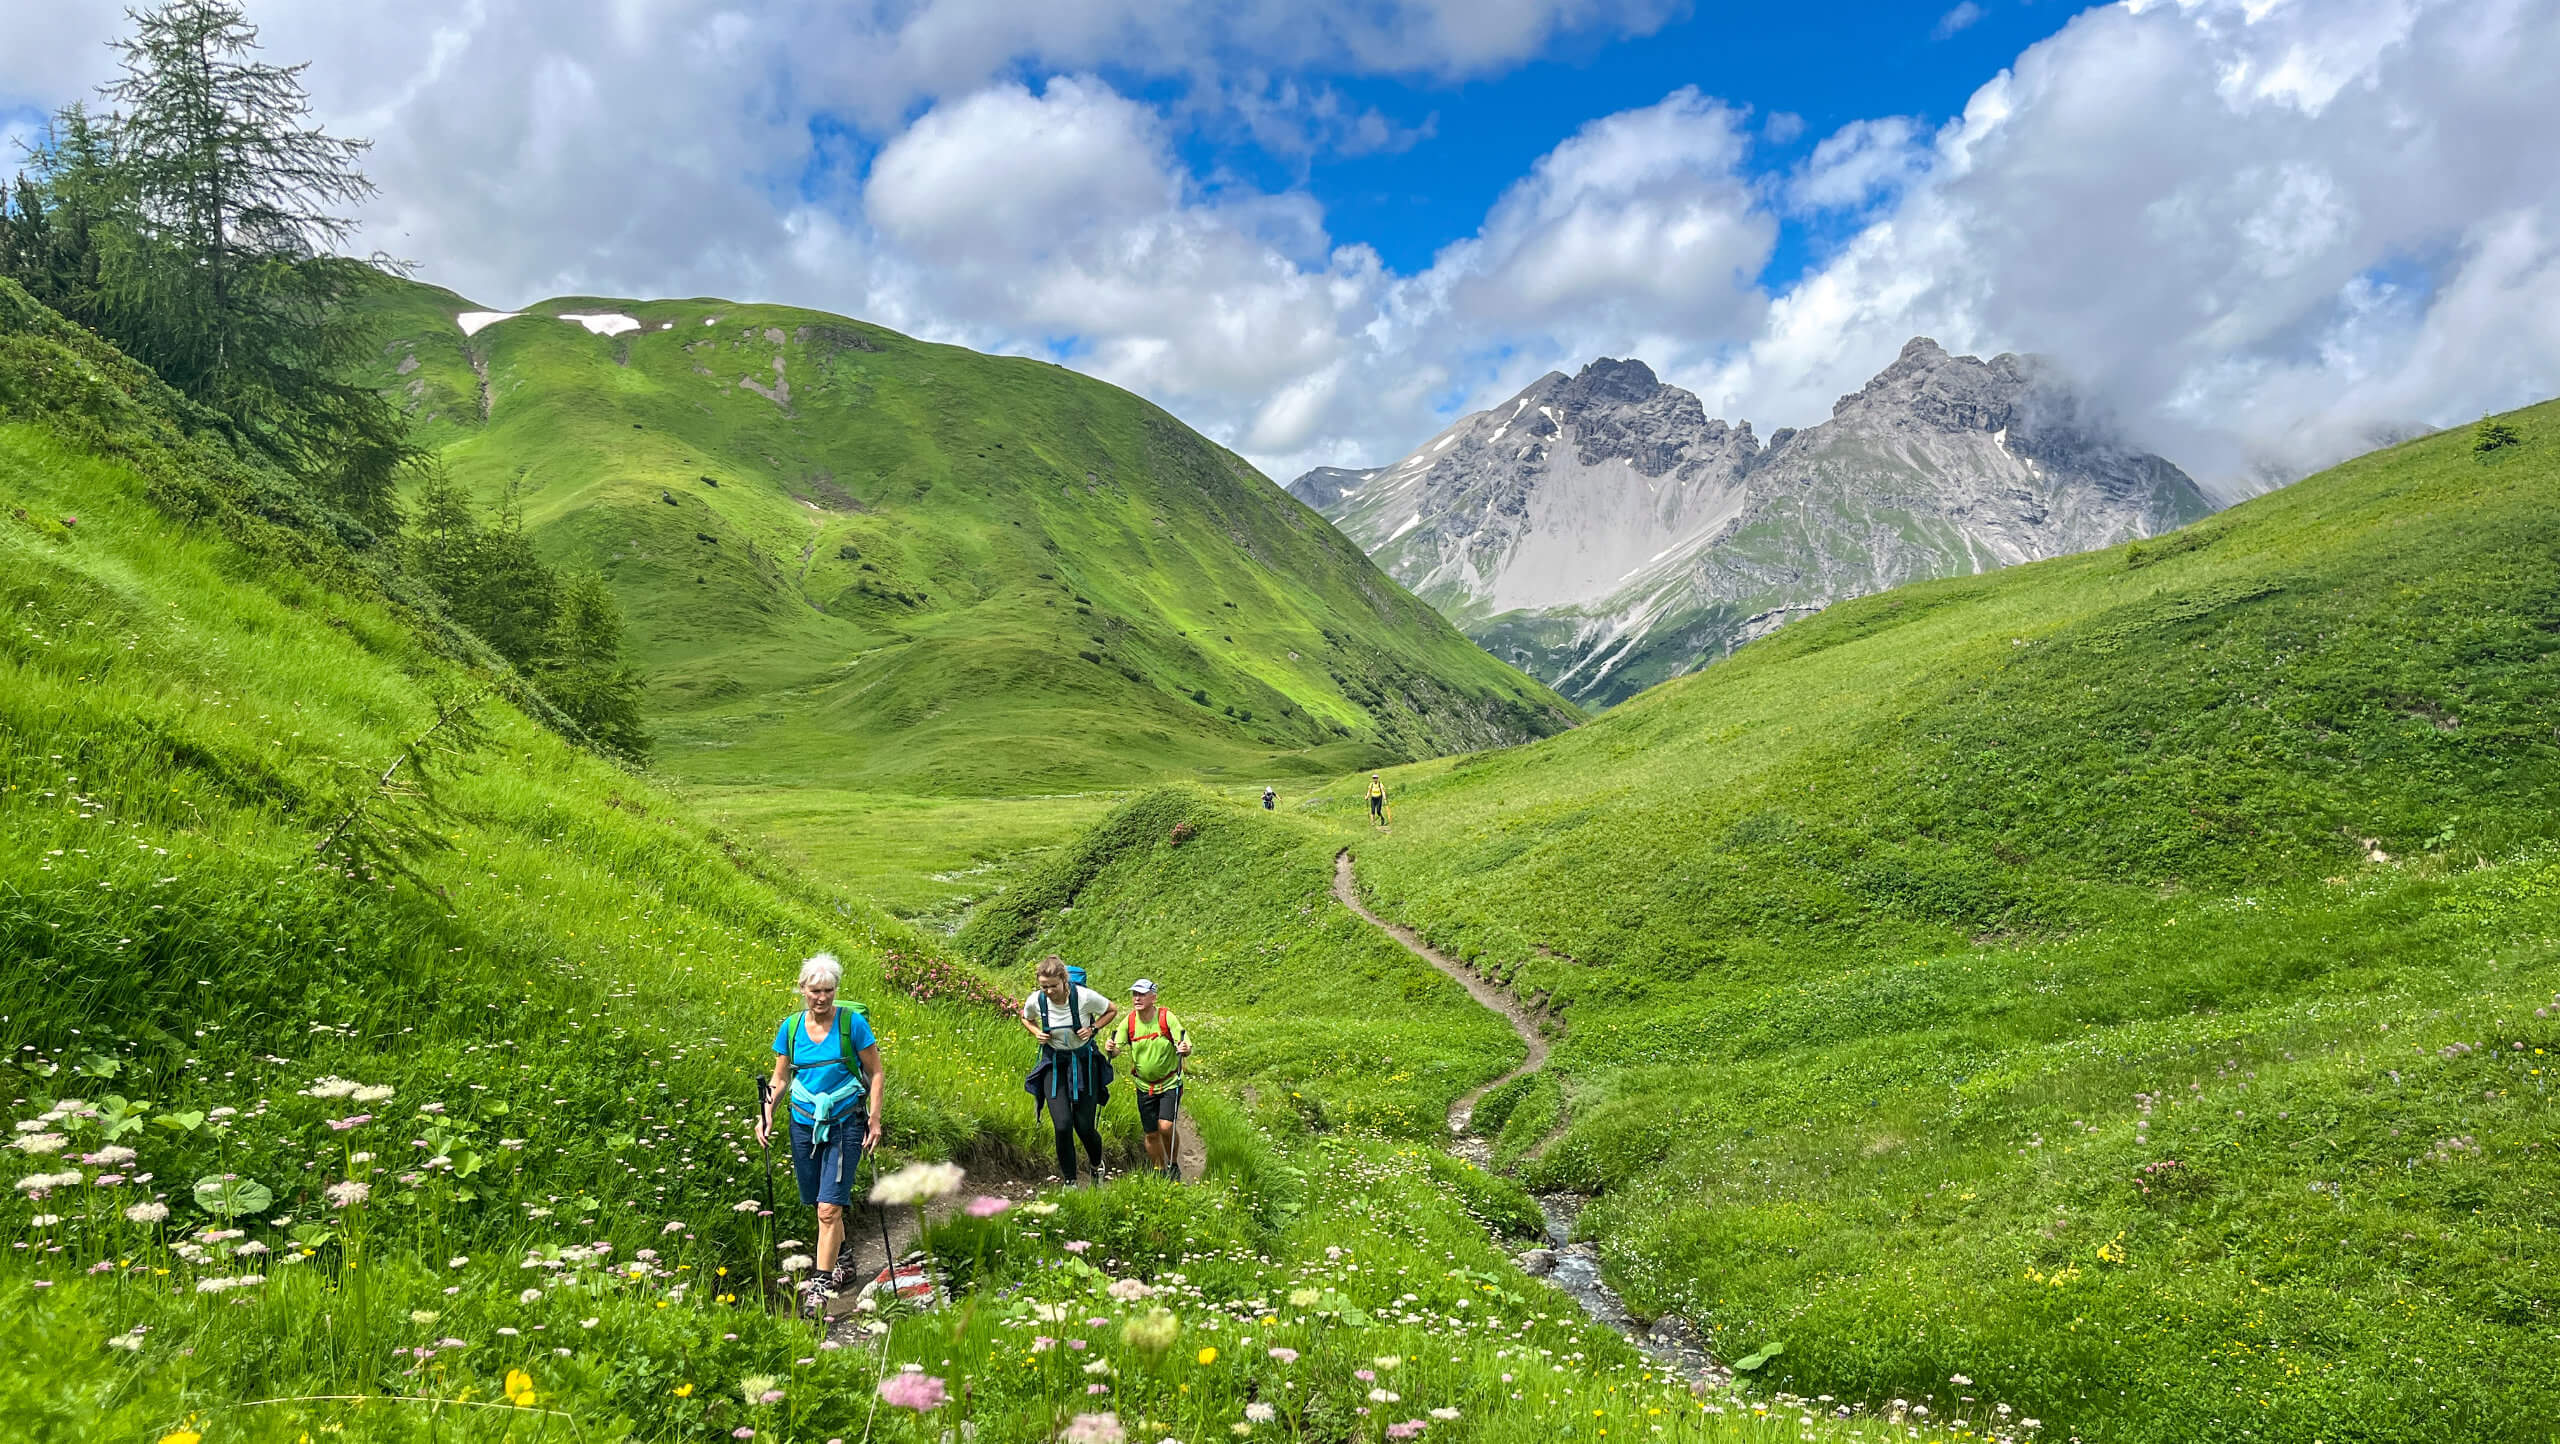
[(1767, 1352), (228, 1195)]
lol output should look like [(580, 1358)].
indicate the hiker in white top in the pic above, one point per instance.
[(1066, 1018)]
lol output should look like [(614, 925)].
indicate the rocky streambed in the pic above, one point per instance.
[(1574, 1267)]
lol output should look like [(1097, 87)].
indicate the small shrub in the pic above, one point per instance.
[(2494, 435), (1183, 832)]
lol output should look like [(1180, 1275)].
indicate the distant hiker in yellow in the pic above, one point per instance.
[(1157, 1044), (835, 1112), (1378, 798), (1072, 1081)]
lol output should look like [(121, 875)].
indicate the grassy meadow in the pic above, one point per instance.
[(2127, 981), (443, 1137), (925, 859), (854, 561)]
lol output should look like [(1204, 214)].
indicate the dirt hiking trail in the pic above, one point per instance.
[(1346, 891)]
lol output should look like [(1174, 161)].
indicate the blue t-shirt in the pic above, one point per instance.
[(817, 1062)]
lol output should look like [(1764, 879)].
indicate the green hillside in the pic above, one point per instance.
[(857, 560), (2126, 982), (553, 985)]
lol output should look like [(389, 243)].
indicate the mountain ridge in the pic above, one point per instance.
[(1616, 535)]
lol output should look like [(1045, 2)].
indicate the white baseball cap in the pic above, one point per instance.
[(1143, 985)]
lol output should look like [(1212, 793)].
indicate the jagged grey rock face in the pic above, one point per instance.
[(1604, 533)]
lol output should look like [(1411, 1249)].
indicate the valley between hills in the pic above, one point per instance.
[(2107, 997)]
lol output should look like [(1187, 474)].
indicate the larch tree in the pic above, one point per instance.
[(234, 290)]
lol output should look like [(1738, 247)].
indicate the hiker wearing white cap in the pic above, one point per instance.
[(1157, 1044)]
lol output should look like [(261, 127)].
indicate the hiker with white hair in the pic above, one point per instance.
[(835, 1111)]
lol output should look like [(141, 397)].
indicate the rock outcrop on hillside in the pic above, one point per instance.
[(1602, 532)]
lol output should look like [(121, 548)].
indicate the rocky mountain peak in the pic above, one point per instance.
[(1603, 532), (1611, 380), (1926, 387), (1323, 487)]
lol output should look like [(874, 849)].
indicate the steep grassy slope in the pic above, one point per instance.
[(855, 559), (2124, 981)]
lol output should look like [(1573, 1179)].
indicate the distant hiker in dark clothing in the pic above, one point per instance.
[(835, 1112), (1270, 799), (1066, 1017), (1378, 798), (1157, 1044)]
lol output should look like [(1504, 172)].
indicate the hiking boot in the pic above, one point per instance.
[(814, 1296)]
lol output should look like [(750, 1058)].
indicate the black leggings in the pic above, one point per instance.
[(1074, 1119)]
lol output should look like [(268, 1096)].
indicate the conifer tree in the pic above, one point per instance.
[(583, 673), (58, 222), (234, 184), (208, 212)]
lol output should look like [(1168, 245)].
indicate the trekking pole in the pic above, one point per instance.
[(764, 1102)]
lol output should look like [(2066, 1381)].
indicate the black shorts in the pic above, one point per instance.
[(1377, 806), (1157, 1110)]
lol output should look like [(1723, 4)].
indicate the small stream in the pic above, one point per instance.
[(1672, 1342), (1575, 1268)]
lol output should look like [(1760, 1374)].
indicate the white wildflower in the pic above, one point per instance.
[(918, 1182)]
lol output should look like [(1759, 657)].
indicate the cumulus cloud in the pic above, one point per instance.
[(1861, 162), (2263, 230), (2267, 232)]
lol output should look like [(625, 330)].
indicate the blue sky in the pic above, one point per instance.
[(1826, 64), (2262, 232)]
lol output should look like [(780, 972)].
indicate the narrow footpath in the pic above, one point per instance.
[(1571, 1266), (1478, 1151)]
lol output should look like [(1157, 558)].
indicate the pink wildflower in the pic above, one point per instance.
[(987, 1205), (917, 1391), (1093, 1429)]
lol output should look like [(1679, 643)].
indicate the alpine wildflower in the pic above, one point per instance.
[(912, 1389), (1093, 1429), (917, 1183)]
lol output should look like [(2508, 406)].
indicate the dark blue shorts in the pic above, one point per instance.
[(825, 1170), (1158, 1110)]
